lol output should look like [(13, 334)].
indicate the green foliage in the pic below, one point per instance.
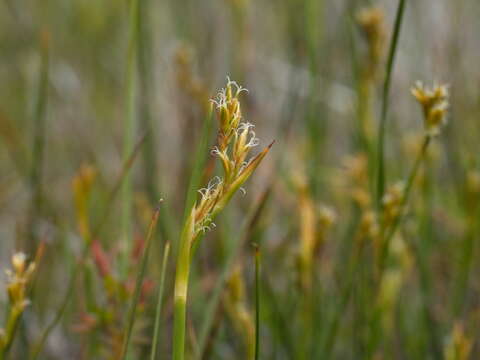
[(366, 209)]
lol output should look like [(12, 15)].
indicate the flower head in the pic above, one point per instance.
[(459, 344), (369, 224), (229, 113), (326, 216), (392, 201), (18, 280), (235, 139), (434, 102), (372, 23)]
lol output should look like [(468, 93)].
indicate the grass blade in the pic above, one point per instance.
[(156, 332), (386, 89), (385, 247), (129, 127), (145, 81), (138, 283), (387, 239), (38, 148), (257, 302)]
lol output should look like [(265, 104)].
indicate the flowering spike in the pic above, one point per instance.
[(235, 139), (434, 102)]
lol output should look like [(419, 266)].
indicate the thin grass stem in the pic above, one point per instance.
[(387, 236), (129, 128), (38, 147), (181, 289), (257, 302), (385, 102), (138, 284), (145, 80), (384, 251), (158, 310), (185, 250)]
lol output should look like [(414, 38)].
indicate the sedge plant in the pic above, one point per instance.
[(380, 176), (18, 286), (434, 103), (235, 139)]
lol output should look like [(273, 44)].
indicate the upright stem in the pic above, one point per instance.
[(467, 252), (181, 288), (158, 310), (11, 328), (129, 126), (145, 81), (387, 235), (386, 90), (138, 285), (257, 302), (181, 291), (391, 232), (38, 146)]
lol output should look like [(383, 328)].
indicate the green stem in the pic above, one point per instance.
[(129, 126), (11, 328), (385, 98), (158, 310), (38, 148), (435, 346), (391, 232), (138, 285), (422, 255), (257, 302), (186, 242), (145, 77), (181, 288), (467, 252), (330, 336), (386, 241)]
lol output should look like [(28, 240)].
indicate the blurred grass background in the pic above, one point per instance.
[(83, 83)]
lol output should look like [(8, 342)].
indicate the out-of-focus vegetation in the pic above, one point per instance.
[(356, 237)]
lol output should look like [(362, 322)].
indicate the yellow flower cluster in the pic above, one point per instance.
[(392, 202), (19, 279), (434, 102), (372, 24), (234, 141)]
